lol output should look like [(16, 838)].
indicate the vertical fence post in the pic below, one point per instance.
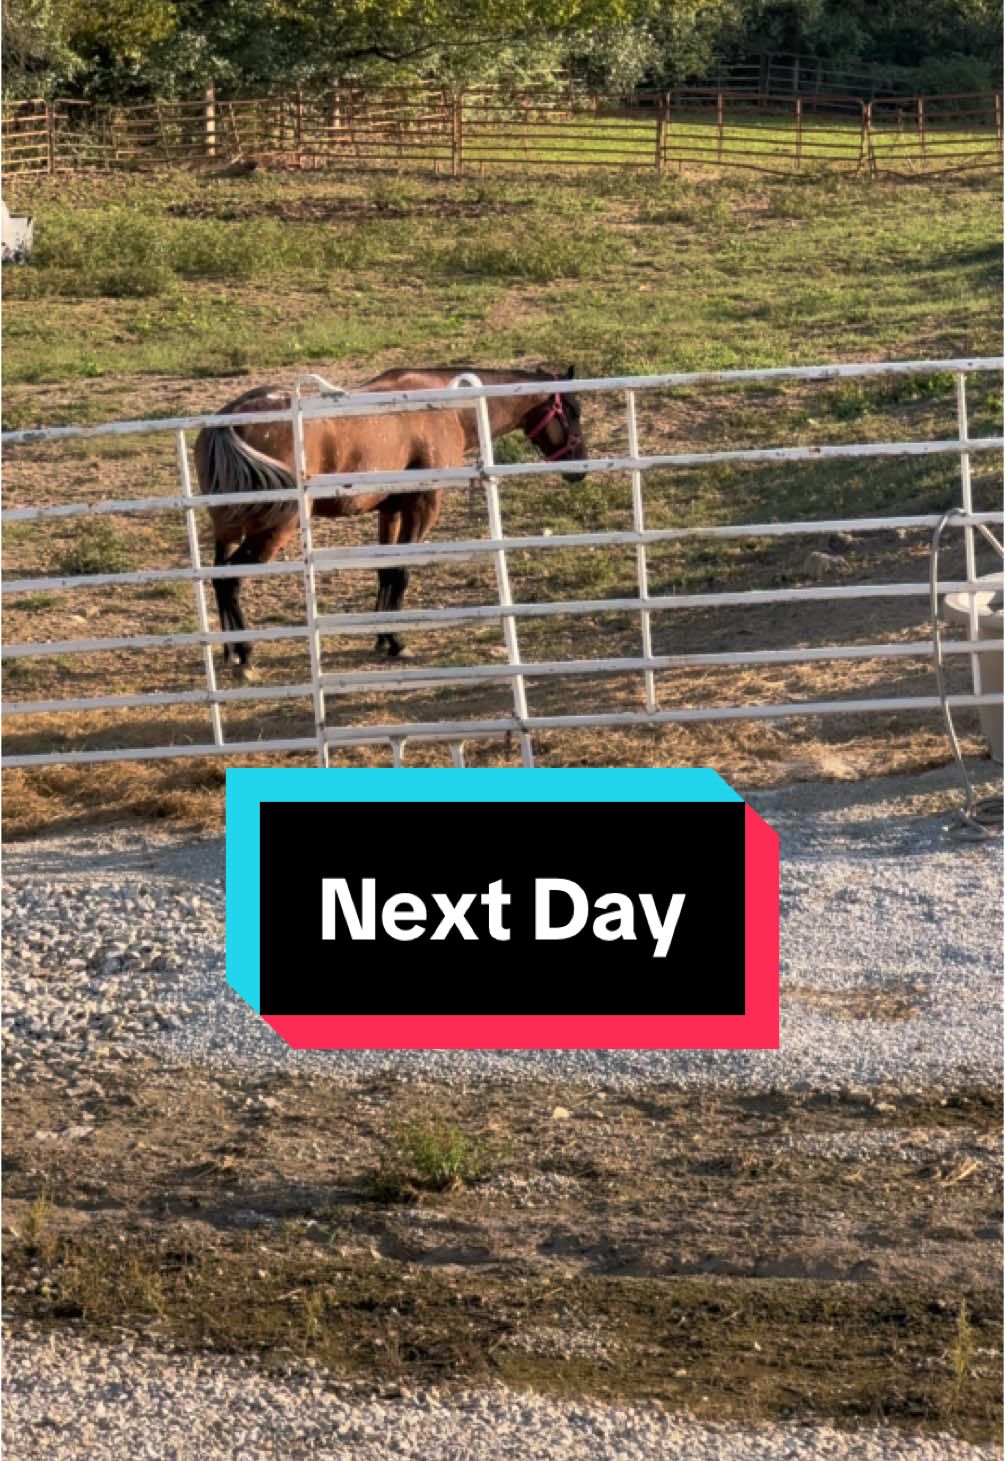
[(660, 135), (921, 127), (967, 502), (162, 131), (329, 119), (866, 152), (209, 119), (487, 459), (641, 565), (998, 118), (298, 122), (50, 137), (209, 664), (799, 134), (457, 135), (310, 584), (720, 123)]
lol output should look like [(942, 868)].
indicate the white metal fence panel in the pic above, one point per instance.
[(315, 398)]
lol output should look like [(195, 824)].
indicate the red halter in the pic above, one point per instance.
[(555, 411)]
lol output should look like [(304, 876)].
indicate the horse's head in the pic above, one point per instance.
[(555, 430)]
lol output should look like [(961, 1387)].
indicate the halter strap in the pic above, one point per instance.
[(555, 410)]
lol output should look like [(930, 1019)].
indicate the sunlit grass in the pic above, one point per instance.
[(620, 272)]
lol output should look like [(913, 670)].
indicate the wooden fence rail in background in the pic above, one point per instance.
[(485, 127)]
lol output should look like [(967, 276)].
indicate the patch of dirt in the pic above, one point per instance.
[(323, 208), (864, 1003), (738, 1256)]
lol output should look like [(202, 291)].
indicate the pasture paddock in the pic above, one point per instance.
[(669, 275), (807, 1238)]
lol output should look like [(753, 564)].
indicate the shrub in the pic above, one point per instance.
[(209, 249), (427, 1156), (94, 239), (97, 548)]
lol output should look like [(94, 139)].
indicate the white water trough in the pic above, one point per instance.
[(986, 606), (18, 235)]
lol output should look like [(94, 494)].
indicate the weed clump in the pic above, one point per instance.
[(36, 1221), (97, 548), (427, 1156), (539, 256)]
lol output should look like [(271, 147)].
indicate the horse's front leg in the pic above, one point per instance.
[(418, 518)]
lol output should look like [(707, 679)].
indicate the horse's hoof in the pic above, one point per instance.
[(246, 674), (403, 653)]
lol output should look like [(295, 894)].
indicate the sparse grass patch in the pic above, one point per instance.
[(540, 255), (97, 547), (680, 200), (34, 603), (312, 1307), (964, 1345), (690, 1267), (723, 1348), (427, 1155), (177, 593), (36, 1220)]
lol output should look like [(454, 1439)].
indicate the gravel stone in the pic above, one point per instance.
[(115, 951), (67, 1399)]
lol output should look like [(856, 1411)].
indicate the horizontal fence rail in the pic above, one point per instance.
[(480, 128), (314, 399)]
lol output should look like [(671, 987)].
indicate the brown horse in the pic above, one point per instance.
[(255, 458)]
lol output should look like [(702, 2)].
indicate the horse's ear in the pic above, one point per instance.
[(570, 372)]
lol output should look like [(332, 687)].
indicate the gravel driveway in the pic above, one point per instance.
[(81, 1401), (890, 959)]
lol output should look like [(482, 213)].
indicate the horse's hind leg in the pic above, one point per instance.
[(388, 529), (392, 584), (257, 548), (224, 590)]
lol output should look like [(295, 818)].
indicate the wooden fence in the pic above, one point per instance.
[(480, 128)]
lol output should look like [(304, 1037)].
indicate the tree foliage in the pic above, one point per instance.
[(118, 48)]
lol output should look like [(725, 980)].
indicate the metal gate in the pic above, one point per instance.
[(314, 398)]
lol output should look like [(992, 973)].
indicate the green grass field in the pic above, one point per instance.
[(621, 273), (167, 295), (749, 138)]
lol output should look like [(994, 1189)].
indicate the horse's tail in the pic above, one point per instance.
[(225, 462)]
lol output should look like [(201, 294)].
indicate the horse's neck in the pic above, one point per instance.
[(506, 413)]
